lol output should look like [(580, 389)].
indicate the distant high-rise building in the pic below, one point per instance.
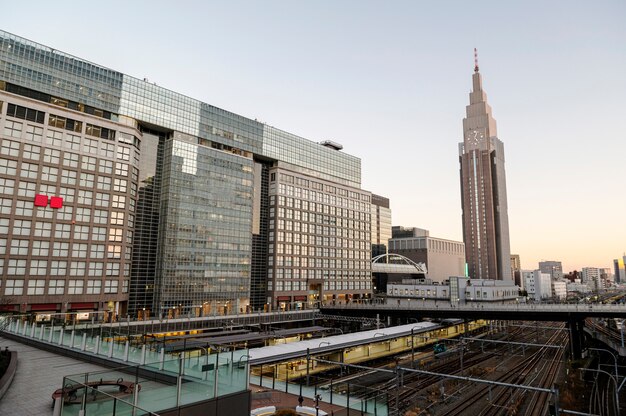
[(620, 270), (553, 268), (516, 268), (381, 225), (483, 191), (591, 276)]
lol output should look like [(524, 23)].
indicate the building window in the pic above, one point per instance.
[(73, 142), (40, 248), (77, 268), (84, 198), (12, 129), (99, 234), (29, 170), (7, 186), (21, 227), (120, 185), (104, 183), (10, 148), (100, 216), (14, 287), (117, 218), (71, 160), (75, 287), (66, 213), (125, 285), (68, 177), (79, 250), (56, 287), (96, 269), (121, 169), (19, 247), (32, 152), (8, 167), (51, 156), (107, 150), (90, 146), (113, 269), (102, 200), (83, 214), (110, 286), (43, 229), (114, 251), (115, 235), (16, 267), (119, 201), (38, 267), (55, 138), (60, 249), (58, 268), (81, 232), (49, 174), (123, 153), (105, 166), (93, 287), (36, 287), (88, 163)]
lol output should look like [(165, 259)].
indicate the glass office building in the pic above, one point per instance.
[(189, 190)]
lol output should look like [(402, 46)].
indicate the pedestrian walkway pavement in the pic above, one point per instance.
[(39, 374)]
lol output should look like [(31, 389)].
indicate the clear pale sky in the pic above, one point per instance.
[(390, 81)]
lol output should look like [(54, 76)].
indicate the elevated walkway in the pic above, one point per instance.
[(161, 382)]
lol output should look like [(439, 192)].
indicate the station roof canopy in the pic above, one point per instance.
[(282, 352)]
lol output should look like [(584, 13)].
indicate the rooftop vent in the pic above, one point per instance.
[(331, 144)]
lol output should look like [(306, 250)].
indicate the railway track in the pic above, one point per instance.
[(503, 400)]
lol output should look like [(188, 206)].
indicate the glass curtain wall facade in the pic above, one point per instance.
[(195, 208), (381, 225), (206, 208)]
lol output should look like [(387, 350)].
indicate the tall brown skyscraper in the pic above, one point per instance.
[(483, 191)]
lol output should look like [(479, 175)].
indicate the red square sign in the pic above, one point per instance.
[(56, 202), (41, 200)]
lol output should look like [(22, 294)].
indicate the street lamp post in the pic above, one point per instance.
[(318, 397)]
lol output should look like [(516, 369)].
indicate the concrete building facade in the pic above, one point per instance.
[(538, 285), (443, 258)]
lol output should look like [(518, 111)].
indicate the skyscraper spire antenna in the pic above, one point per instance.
[(475, 60)]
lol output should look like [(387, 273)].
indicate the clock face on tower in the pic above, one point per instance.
[(474, 137)]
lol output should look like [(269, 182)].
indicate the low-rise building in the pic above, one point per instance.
[(538, 285), (577, 287), (455, 290), (443, 258), (559, 289)]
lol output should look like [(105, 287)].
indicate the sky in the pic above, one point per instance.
[(389, 80)]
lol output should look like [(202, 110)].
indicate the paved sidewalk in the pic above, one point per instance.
[(39, 373)]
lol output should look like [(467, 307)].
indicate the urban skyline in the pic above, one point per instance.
[(322, 84)]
